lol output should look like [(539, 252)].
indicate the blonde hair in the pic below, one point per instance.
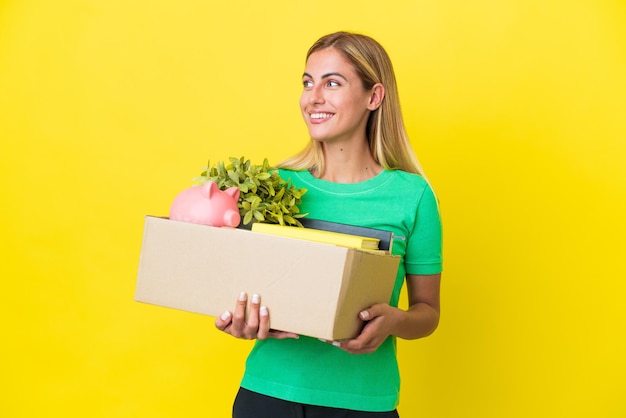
[(386, 133)]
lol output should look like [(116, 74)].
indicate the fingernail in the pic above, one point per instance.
[(242, 296), (364, 315), (336, 343), (225, 316), (255, 298), (263, 311)]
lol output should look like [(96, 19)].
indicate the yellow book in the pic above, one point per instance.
[(317, 235)]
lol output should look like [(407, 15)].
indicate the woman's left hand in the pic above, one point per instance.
[(383, 320), (380, 320)]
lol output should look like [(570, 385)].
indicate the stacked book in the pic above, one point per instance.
[(332, 233)]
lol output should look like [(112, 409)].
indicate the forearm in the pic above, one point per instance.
[(419, 321), (422, 317)]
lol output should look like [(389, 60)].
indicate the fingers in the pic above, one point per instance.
[(252, 323), (249, 322), (372, 312), (258, 325), (365, 343), (223, 321), (264, 322), (372, 335), (239, 316)]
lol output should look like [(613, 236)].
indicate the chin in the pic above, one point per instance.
[(320, 137)]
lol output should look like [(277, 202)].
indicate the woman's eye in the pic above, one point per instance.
[(307, 84), (332, 83)]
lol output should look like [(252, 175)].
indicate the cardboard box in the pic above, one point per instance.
[(309, 288)]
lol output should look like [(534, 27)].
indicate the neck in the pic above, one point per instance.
[(348, 164)]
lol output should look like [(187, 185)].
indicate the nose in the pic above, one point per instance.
[(316, 95)]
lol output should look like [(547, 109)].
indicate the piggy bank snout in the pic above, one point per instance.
[(232, 218)]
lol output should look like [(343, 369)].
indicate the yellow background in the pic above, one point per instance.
[(517, 109)]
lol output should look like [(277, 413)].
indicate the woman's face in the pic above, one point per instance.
[(334, 103)]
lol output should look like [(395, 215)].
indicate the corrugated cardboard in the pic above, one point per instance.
[(309, 288)]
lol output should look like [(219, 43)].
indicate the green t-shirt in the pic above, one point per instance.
[(310, 371)]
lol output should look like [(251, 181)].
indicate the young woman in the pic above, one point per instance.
[(359, 169)]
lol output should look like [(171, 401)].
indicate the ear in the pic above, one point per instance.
[(233, 192), (377, 94), (209, 188)]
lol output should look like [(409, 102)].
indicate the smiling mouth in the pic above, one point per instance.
[(320, 116)]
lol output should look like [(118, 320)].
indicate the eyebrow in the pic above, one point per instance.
[(327, 75)]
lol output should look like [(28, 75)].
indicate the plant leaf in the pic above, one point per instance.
[(258, 215), (264, 195)]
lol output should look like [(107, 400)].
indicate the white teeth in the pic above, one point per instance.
[(320, 115)]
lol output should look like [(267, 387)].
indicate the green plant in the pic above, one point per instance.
[(264, 195)]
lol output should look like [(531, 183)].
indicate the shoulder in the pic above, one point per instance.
[(408, 177), (409, 181), (415, 189)]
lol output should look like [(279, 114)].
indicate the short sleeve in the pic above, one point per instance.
[(424, 244)]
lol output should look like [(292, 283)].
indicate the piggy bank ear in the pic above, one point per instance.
[(209, 189), (233, 192)]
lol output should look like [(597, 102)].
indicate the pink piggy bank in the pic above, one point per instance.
[(207, 205)]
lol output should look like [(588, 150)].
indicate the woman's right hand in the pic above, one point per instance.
[(256, 327)]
